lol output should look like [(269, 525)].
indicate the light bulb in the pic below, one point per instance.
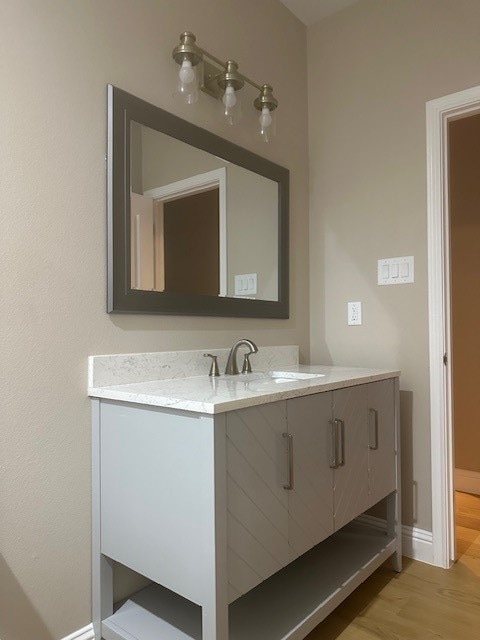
[(229, 98), (265, 119), (187, 72)]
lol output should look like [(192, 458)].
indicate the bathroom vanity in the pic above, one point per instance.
[(241, 497)]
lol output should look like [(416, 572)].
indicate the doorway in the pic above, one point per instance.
[(464, 228), (440, 113)]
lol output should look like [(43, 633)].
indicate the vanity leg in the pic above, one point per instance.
[(394, 528), (102, 592), (394, 511), (102, 571), (215, 622)]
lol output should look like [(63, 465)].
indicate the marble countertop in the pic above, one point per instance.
[(203, 394)]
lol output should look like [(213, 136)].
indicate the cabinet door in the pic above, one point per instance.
[(351, 475), (257, 518), (310, 502), (381, 444)]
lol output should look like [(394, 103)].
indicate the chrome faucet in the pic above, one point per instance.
[(232, 367)]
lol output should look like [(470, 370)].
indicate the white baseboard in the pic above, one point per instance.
[(416, 543), (82, 634), (467, 481)]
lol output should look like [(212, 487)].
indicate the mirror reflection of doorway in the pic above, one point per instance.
[(191, 244), (178, 236), (175, 244)]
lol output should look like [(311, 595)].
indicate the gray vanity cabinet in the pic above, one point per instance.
[(244, 521)]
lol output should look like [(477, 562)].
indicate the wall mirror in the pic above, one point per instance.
[(196, 224)]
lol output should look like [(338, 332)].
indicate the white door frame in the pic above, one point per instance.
[(197, 184), (439, 113)]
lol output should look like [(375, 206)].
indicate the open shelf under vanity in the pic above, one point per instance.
[(286, 606)]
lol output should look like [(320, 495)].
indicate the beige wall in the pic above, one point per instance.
[(56, 58), (372, 67), (464, 136)]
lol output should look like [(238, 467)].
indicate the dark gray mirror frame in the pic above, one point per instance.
[(124, 108)]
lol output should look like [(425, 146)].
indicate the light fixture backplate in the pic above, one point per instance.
[(208, 82)]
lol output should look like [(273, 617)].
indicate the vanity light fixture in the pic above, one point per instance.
[(199, 69)]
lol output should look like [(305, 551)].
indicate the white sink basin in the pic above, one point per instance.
[(292, 375), (264, 378)]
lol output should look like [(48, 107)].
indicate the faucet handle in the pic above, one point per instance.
[(214, 372), (247, 367)]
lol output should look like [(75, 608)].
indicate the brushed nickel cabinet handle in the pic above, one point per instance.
[(341, 428), (290, 482), (334, 463), (374, 447)]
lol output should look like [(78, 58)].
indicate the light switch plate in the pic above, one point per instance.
[(396, 270), (246, 284)]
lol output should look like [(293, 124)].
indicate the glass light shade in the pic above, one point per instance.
[(187, 88), (187, 72), (267, 124), (231, 105)]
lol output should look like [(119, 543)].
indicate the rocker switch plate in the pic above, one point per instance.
[(396, 270), (246, 284)]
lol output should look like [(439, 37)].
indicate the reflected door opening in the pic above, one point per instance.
[(175, 244), (191, 241)]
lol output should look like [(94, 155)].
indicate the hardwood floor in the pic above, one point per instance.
[(467, 516), (422, 602)]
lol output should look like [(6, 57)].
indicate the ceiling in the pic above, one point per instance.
[(311, 11)]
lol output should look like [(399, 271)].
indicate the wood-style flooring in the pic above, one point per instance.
[(422, 602)]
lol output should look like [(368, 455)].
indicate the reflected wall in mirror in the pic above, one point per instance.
[(197, 225)]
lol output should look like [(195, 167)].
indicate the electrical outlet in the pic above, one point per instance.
[(354, 313)]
